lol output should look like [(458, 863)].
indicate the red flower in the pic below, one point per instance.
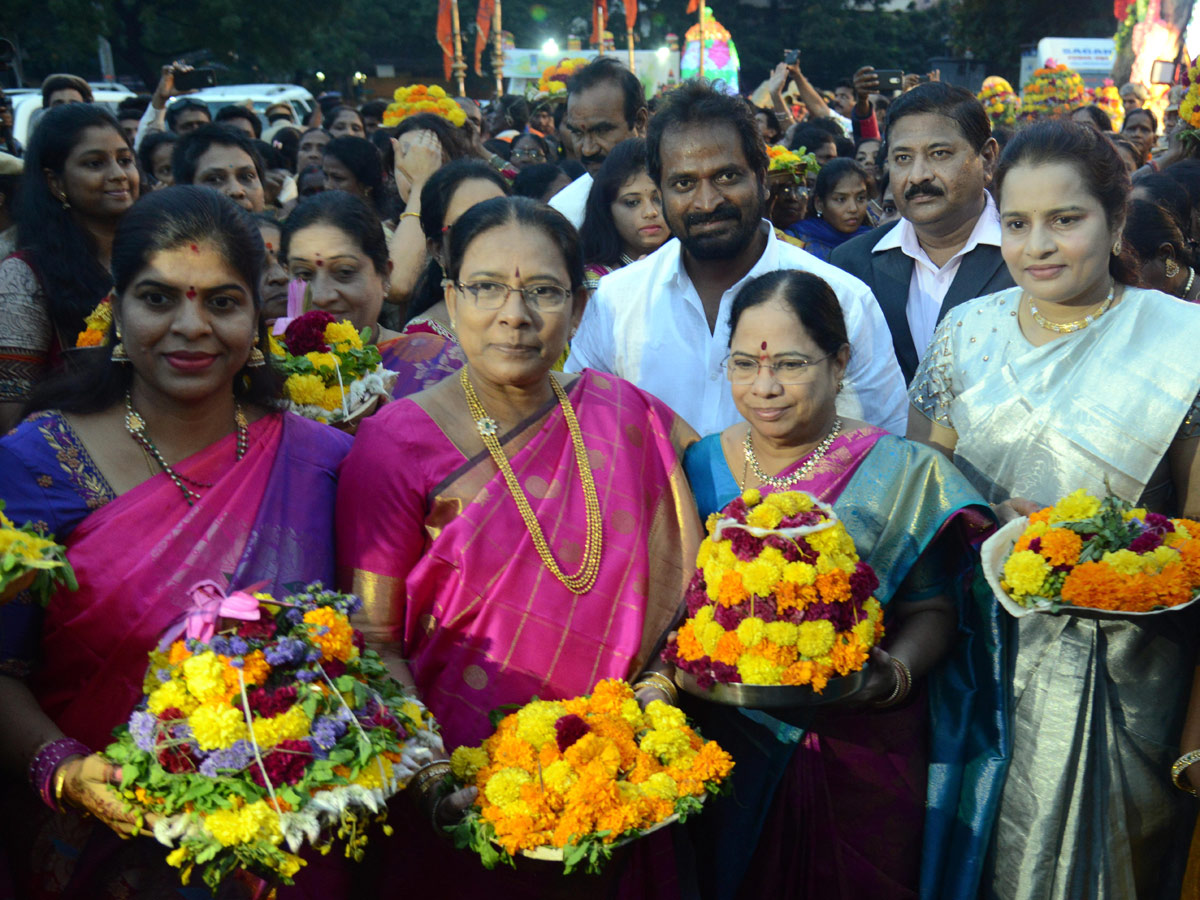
[(170, 714), (262, 630), (175, 759), (285, 764), (334, 668), (1145, 542), (863, 583), (306, 333), (568, 730), (269, 704)]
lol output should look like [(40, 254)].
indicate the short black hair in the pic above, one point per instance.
[(949, 100), (195, 144), (534, 181), (149, 144), (182, 106), (337, 112), (374, 109), (827, 180), (1141, 111), (608, 68), (348, 213), (844, 83), (809, 297), (132, 107), (827, 125), (62, 82), (697, 102), (810, 138), (271, 157), (1097, 115), (362, 159), (772, 119), (233, 111)]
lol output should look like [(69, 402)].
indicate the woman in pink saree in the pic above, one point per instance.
[(476, 606), (158, 464)]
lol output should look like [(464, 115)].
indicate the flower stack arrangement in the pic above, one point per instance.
[(797, 165), (258, 739), (1053, 91), (779, 598), (552, 85), (420, 98), (97, 325), (1000, 101), (570, 780), (333, 373), (1108, 98), (29, 561), (1099, 556), (1189, 106)]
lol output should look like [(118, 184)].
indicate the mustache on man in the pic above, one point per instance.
[(925, 187), (723, 213)]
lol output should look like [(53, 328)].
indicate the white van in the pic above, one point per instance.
[(27, 105), (260, 95)]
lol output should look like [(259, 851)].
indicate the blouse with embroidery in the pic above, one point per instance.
[(26, 334)]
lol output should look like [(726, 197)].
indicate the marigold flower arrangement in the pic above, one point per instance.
[(1102, 554), (779, 597), (1000, 101), (97, 325), (797, 163), (277, 732), (554, 78), (1054, 90), (420, 98), (1108, 98), (580, 775), (331, 369), (29, 561)]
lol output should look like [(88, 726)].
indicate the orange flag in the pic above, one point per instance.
[(597, 7), (445, 36), (483, 27), (693, 6), (630, 13)]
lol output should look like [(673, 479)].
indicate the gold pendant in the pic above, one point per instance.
[(487, 426)]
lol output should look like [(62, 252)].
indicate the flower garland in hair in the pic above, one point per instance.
[(1103, 554), (420, 98), (583, 774), (779, 597)]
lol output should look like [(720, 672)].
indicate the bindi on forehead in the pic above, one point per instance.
[(191, 292), (195, 248)]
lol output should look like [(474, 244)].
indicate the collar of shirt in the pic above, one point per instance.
[(904, 236), (678, 277)]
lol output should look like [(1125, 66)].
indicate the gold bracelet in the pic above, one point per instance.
[(903, 685), (660, 682), (1178, 767), (433, 771), (60, 778), (403, 214)]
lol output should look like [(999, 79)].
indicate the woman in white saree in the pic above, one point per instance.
[(1077, 379)]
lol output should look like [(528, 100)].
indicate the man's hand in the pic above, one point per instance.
[(166, 84)]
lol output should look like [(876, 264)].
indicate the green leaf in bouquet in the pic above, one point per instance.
[(341, 756), (473, 833), (500, 713), (199, 789), (345, 683)]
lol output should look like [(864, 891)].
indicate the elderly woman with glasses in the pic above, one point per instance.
[(834, 802), (516, 532)]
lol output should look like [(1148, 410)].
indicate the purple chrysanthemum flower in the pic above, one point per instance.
[(233, 758), (143, 725), (287, 651), (326, 730), (238, 646)]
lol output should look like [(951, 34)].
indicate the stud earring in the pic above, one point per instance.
[(1171, 268), (1117, 248)]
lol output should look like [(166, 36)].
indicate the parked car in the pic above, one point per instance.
[(259, 95)]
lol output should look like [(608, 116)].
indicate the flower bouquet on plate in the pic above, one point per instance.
[(781, 600), (1095, 557), (29, 561), (333, 374), (571, 780), (276, 732)]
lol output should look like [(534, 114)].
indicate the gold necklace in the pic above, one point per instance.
[(803, 472), (583, 580), (1078, 324)]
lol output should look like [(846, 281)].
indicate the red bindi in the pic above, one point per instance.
[(764, 345), (320, 262), (191, 293), (195, 248), (270, 246)]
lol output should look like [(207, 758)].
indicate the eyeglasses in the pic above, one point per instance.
[(528, 154), (744, 369), (791, 190), (493, 294)]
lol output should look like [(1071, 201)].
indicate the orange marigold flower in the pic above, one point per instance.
[(1042, 515), (331, 631), (729, 648), (1189, 551), (178, 653), (731, 591), (775, 654), (848, 654), (799, 672), (711, 763), (1169, 587), (1096, 585), (89, 338), (1061, 547), (689, 647), (834, 586), (787, 596)]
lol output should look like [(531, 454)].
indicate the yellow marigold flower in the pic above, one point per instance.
[(290, 865), (865, 632), (800, 573), (759, 576), (667, 745), (789, 502), (631, 712), (1075, 506), (287, 726), (660, 784), (326, 361), (466, 761), (171, 694), (305, 390), (782, 633), (1026, 571), (253, 822), (815, 638), (765, 515), (710, 525), (535, 721), (203, 675), (217, 725), (342, 335), (275, 347), (757, 670), (331, 631), (332, 398), (1138, 512), (703, 616), (1159, 558), (504, 787), (664, 715), (824, 541), (705, 553), (873, 609), (708, 634), (752, 497), (1124, 561), (751, 631), (774, 556), (375, 774)]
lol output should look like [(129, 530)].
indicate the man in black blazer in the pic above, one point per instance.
[(945, 248)]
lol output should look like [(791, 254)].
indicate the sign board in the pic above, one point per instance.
[(525, 67), (1092, 58)]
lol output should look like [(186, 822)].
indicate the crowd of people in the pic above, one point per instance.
[(607, 322)]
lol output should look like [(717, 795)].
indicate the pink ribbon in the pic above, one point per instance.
[(210, 603)]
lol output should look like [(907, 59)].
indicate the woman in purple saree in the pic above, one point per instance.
[(155, 473), (461, 592)]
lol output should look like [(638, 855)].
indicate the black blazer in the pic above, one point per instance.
[(889, 274)]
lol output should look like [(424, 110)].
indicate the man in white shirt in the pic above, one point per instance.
[(945, 249), (663, 322), (605, 105)]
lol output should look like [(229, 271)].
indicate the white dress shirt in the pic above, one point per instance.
[(929, 284), (646, 324), (571, 201)]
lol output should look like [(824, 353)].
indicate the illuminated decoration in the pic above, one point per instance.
[(721, 61)]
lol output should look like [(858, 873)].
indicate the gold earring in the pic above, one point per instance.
[(118, 351), (1171, 268), (65, 203), (1117, 248), (256, 358)]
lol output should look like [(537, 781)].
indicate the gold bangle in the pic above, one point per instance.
[(414, 214), (433, 771), (1177, 768), (660, 682), (60, 778)]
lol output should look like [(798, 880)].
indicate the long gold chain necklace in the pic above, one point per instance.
[(817, 454), (136, 426), (583, 580), (1078, 324)]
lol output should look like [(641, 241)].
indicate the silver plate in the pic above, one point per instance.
[(773, 696), (555, 854)]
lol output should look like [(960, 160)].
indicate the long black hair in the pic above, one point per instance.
[(165, 220), (599, 238), (59, 250), (827, 180), (808, 296), (435, 200), (362, 159)]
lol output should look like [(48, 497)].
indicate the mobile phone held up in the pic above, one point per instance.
[(791, 57), (889, 79), (195, 79)]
